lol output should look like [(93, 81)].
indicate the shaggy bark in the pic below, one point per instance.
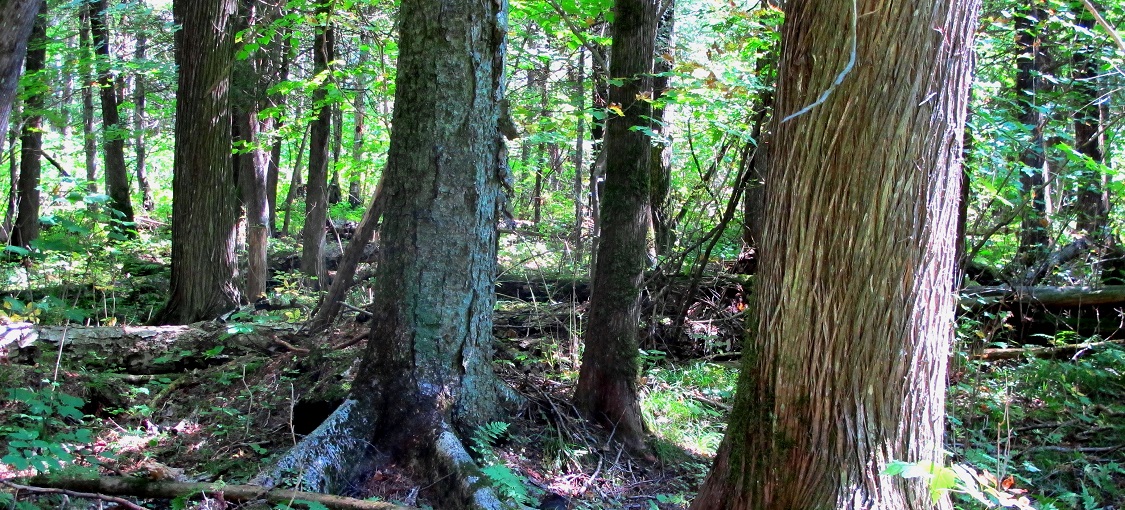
[(316, 206), (205, 212), (847, 369)]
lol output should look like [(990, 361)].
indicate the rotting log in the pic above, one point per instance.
[(1056, 352), (163, 489), (980, 297), (145, 349)]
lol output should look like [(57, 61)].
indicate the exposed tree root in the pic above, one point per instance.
[(146, 488), (337, 452)]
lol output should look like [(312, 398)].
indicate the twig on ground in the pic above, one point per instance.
[(74, 494)]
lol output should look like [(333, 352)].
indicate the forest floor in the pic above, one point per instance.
[(1048, 429)]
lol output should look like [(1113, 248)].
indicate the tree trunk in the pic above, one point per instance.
[(252, 77), (660, 171), (427, 375), (205, 212), (1030, 61), (26, 228), (846, 371), (579, 153), (113, 140), (273, 174), (359, 166), (140, 123), (295, 183), (16, 19), (607, 383), (316, 192), (1093, 199), (89, 134)]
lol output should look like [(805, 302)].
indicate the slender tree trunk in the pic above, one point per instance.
[(89, 133), (273, 174), (663, 225), (862, 193), (359, 165), (607, 383), (205, 212), (335, 192), (1030, 60), (140, 123), (316, 193), (13, 185), (1093, 199), (579, 152), (31, 142), (113, 140), (295, 183), (16, 19)]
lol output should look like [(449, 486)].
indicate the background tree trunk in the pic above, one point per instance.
[(89, 133), (862, 194), (316, 207), (16, 19), (140, 121), (205, 213), (26, 228), (1030, 61), (607, 383), (113, 140), (1093, 199)]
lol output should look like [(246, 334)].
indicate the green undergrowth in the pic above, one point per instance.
[(1054, 428)]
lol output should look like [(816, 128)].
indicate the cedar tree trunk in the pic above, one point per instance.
[(862, 194), (316, 206), (205, 209), (113, 142)]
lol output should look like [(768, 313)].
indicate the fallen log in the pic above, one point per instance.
[(138, 487), (1057, 352), (1054, 297), (144, 349)]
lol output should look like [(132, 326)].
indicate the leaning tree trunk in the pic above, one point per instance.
[(846, 372), (113, 142), (26, 228), (316, 206), (16, 19), (205, 211), (607, 383), (426, 377)]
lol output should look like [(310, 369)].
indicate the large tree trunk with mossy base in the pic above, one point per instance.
[(607, 383), (426, 379), (846, 371), (205, 212)]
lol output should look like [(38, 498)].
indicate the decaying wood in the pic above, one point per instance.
[(142, 350), (164, 489), (980, 297), (1056, 352)]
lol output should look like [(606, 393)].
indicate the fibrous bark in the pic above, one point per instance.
[(845, 371), (205, 210), (316, 205), (113, 142), (26, 228)]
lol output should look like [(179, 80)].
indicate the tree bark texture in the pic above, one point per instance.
[(205, 212), (1030, 61), (847, 369), (26, 228), (316, 205), (113, 139), (89, 133), (16, 19), (426, 376), (607, 382)]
